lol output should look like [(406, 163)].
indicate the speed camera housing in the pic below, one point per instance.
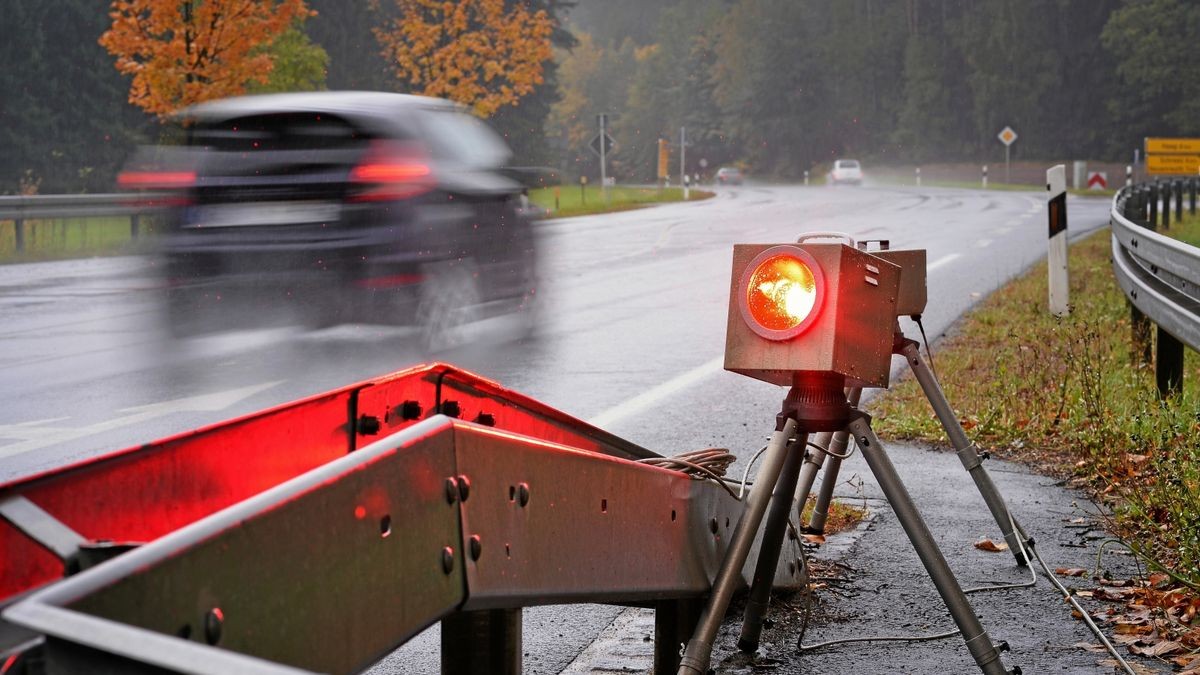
[(837, 316)]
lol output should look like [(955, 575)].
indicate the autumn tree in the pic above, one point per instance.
[(184, 52), (481, 53)]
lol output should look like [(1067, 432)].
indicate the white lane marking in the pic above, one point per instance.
[(983, 243), (34, 437), (652, 396), (944, 260), (1003, 230)]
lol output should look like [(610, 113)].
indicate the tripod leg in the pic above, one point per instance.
[(967, 453), (814, 457), (833, 464), (698, 653), (978, 642), (772, 541)]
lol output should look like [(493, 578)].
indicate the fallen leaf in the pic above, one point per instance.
[(1164, 647), (814, 538), (1070, 571), (1133, 629), (1091, 647), (992, 546), (1110, 594)]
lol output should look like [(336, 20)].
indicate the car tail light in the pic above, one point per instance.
[(782, 292), (167, 188), (392, 170), (156, 180)]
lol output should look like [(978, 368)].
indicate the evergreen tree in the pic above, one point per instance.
[(65, 123)]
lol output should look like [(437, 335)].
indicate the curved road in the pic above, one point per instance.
[(631, 338)]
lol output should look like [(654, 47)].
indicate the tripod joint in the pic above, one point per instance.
[(972, 457)]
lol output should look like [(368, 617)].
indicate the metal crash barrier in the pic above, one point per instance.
[(319, 535)]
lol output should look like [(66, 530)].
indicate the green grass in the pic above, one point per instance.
[(1071, 395), (1187, 231), (572, 200), (68, 237)]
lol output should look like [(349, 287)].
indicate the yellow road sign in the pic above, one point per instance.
[(1172, 164), (1176, 146)]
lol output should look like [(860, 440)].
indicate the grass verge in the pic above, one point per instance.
[(1070, 396), (573, 200), (68, 237)]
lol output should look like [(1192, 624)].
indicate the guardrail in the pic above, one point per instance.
[(1159, 275), (34, 207)]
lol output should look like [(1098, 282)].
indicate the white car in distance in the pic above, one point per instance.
[(846, 172)]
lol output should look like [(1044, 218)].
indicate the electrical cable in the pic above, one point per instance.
[(1032, 548), (746, 472), (1082, 612), (917, 319), (707, 464)]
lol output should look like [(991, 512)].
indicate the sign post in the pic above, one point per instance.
[(682, 154), (664, 155), (602, 144), (1007, 136), (1056, 185)]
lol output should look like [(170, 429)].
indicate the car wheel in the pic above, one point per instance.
[(448, 303)]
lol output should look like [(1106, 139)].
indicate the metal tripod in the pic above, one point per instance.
[(816, 404), (830, 449)]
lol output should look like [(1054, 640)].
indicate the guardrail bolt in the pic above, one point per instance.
[(476, 547), (450, 409), (713, 526), (447, 560), (368, 425), (486, 419), (464, 488), (410, 410), (214, 620), (523, 494), (451, 490)]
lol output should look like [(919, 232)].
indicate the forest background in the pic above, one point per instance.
[(775, 86)]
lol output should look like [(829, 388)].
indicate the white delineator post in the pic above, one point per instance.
[(1056, 186)]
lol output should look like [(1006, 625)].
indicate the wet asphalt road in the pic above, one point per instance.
[(631, 337)]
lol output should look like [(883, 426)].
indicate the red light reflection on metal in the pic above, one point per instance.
[(141, 493), (782, 292)]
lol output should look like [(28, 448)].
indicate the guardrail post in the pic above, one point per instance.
[(1168, 366), (484, 641), (1166, 205), (133, 226), (19, 224), (1178, 201), (1142, 351), (674, 623), (1192, 196), (1153, 215)]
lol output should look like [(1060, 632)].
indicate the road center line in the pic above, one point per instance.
[(944, 260), (655, 394)]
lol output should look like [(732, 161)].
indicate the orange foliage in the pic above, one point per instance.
[(475, 52), (181, 52)]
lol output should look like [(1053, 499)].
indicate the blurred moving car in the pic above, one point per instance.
[(333, 207), (729, 175), (846, 172)]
